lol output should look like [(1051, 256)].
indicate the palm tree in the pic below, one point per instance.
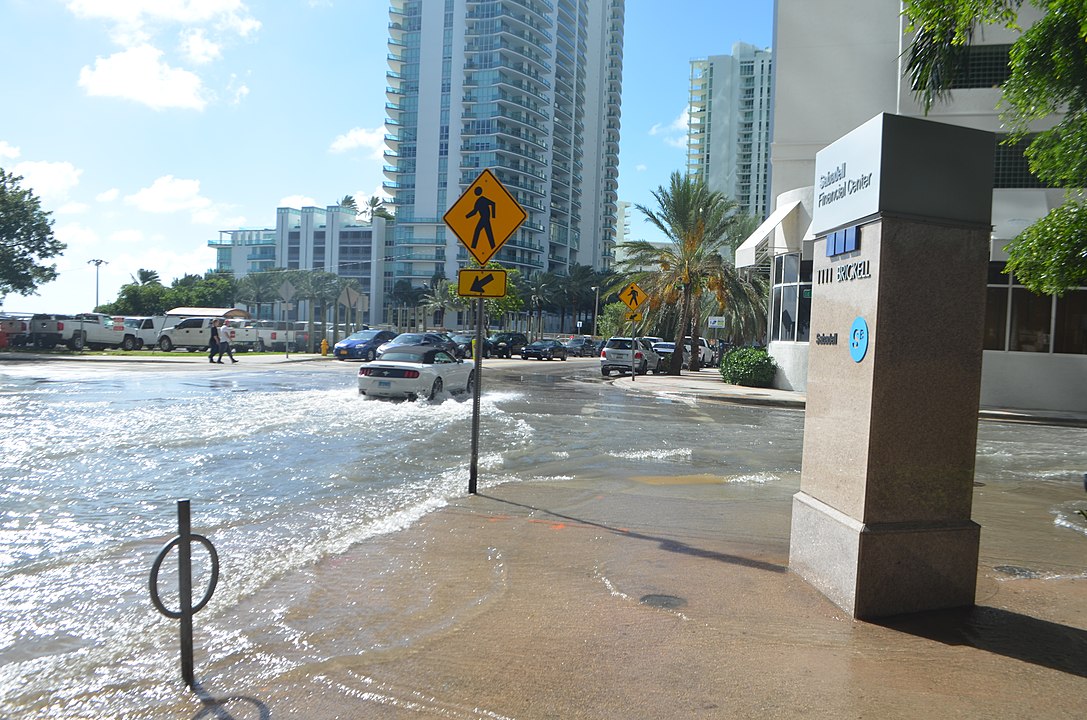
[(260, 288), (349, 203), (538, 291), (438, 298), (372, 207), (146, 277), (699, 223)]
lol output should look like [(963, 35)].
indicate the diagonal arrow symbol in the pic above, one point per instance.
[(481, 282)]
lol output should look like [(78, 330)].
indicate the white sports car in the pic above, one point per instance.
[(413, 371)]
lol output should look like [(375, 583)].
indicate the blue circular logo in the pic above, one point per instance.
[(858, 339)]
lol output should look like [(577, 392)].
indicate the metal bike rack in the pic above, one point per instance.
[(184, 541)]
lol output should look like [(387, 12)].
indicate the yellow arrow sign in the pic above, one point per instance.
[(485, 217), (634, 317), (481, 283), (633, 296)]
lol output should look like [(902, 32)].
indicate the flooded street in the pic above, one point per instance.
[(294, 477)]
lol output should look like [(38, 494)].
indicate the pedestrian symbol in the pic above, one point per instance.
[(633, 296), (484, 217)]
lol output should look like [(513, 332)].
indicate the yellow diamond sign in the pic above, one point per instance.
[(485, 217), (633, 296)]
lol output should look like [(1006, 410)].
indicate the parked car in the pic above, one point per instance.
[(414, 371), (665, 350), (705, 354), (432, 339), (17, 329), (142, 331), (506, 344), (581, 347), (616, 356), (544, 350), (362, 345), (464, 342)]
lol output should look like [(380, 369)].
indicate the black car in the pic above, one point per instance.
[(433, 339), (464, 342), (581, 347), (506, 344), (544, 350)]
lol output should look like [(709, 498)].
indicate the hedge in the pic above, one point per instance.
[(748, 366)]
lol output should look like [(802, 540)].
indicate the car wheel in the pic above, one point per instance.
[(129, 343), (471, 386), (644, 369), (77, 342), (435, 389), (165, 344), (259, 347), (564, 357), (370, 355), (605, 372)]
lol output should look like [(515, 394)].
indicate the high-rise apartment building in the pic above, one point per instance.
[(528, 88), (728, 135)]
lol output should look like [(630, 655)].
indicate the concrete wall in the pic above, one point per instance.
[(1034, 381)]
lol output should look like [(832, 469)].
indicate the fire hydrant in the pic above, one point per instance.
[(324, 346)]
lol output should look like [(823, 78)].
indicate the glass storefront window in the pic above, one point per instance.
[(996, 318), (1030, 316), (788, 312), (790, 308), (1071, 330)]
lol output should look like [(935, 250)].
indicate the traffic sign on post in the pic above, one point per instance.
[(481, 283), (633, 296), (485, 217)]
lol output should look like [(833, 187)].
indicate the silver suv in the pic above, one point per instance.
[(617, 356)]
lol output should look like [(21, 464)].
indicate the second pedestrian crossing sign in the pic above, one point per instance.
[(485, 217)]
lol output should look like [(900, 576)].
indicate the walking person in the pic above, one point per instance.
[(213, 343), (224, 342)]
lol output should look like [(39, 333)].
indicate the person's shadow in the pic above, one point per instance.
[(233, 707)]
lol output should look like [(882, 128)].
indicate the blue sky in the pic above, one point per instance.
[(146, 126)]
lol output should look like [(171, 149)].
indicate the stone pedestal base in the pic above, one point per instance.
[(883, 569)]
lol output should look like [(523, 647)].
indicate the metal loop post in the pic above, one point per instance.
[(183, 542)]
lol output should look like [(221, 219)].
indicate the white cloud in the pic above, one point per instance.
[(298, 201), (76, 237), (126, 237), (107, 196), (681, 121), (230, 15), (197, 47), (373, 140), (139, 74), (677, 142), (657, 129), (675, 132), (50, 181), (73, 208), (169, 194), (8, 151), (641, 167)]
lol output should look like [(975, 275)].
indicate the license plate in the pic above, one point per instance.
[(384, 383)]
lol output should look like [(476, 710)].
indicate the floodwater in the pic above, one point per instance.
[(287, 468)]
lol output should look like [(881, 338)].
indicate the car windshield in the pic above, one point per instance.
[(462, 338), (541, 344), (363, 335), (408, 339)]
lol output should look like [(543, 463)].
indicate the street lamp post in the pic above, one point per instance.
[(97, 264), (596, 307)]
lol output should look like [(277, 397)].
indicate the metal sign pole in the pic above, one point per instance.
[(477, 358), (633, 346)]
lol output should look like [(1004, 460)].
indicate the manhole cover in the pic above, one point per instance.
[(669, 602), (1018, 572)]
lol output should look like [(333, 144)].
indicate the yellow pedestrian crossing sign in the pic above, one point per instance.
[(633, 296), (485, 217)]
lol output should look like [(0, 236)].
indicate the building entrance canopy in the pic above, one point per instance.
[(758, 250)]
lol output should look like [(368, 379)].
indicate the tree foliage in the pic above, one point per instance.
[(26, 239), (700, 223), (1048, 76)]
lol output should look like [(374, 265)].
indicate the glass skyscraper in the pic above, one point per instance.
[(528, 88)]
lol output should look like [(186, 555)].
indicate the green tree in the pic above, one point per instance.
[(211, 290), (137, 299), (146, 277), (698, 223), (26, 239), (1048, 76), (258, 289), (349, 203), (537, 292)]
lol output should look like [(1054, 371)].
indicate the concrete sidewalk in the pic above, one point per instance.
[(708, 385)]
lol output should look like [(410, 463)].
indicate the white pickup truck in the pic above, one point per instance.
[(142, 332), (195, 332), (92, 330)]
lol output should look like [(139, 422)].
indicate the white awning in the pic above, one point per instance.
[(756, 249)]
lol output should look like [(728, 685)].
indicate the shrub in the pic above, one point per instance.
[(748, 366)]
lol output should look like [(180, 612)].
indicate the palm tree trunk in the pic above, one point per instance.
[(676, 365)]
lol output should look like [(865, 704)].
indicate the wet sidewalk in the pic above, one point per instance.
[(708, 385)]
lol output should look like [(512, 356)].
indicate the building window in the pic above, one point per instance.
[(1017, 320), (982, 66), (790, 311), (1010, 166)]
